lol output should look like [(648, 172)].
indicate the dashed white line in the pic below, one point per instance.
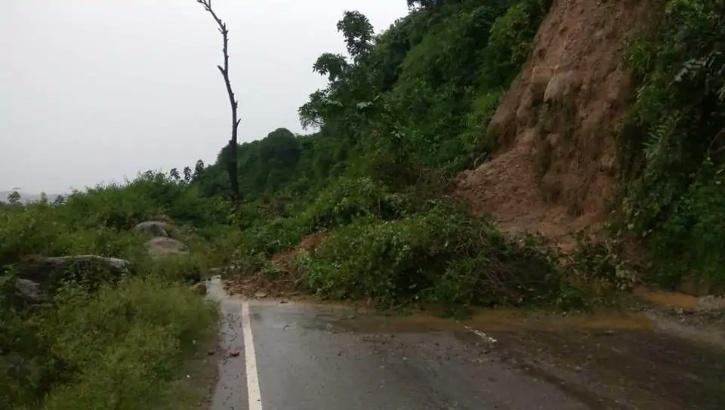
[(255, 397)]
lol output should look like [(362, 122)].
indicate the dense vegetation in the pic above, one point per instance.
[(410, 107), (402, 113), (106, 342), (675, 141)]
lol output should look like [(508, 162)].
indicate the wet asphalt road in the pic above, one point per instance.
[(325, 358)]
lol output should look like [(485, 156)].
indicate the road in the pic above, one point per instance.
[(304, 356)]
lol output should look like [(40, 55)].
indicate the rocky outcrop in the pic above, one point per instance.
[(165, 247), (152, 229)]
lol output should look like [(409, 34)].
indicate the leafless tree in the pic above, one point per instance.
[(231, 151)]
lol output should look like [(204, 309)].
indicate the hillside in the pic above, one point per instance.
[(559, 155), (611, 130)]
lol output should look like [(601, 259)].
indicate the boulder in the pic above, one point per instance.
[(162, 247), (36, 275), (28, 291), (560, 87), (153, 229)]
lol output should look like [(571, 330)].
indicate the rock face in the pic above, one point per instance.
[(153, 229), (162, 247)]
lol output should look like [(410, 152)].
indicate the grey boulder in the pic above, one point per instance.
[(153, 229), (162, 247)]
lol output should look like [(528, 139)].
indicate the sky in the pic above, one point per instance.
[(95, 91)]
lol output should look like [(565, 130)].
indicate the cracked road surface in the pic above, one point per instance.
[(301, 356)]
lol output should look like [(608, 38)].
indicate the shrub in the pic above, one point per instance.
[(45, 230), (347, 199), (442, 255), (673, 140), (117, 347)]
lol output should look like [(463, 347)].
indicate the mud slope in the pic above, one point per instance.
[(554, 173)]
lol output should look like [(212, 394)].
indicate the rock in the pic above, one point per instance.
[(47, 271), (152, 229), (28, 290), (260, 295), (37, 276), (199, 289), (161, 247), (560, 87)]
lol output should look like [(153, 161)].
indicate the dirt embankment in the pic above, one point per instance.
[(555, 171)]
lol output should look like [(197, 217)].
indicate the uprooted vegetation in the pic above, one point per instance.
[(441, 255)]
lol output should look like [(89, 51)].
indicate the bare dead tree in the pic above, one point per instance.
[(231, 151)]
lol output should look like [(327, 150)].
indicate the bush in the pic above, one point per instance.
[(347, 199), (442, 255), (117, 348), (45, 230), (673, 141), (268, 238), (149, 196)]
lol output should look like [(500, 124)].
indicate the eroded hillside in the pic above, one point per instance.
[(555, 170)]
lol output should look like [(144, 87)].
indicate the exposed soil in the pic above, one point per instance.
[(555, 171), (261, 285), (285, 260)]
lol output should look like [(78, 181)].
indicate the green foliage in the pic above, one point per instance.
[(676, 129), (358, 32), (119, 345), (331, 65), (596, 273), (347, 199), (149, 196), (99, 221), (442, 255), (692, 239), (104, 344), (419, 95), (272, 236), (14, 198), (22, 369), (41, 229)]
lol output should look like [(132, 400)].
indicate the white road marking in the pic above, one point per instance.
[(255, 397), (481, 334)]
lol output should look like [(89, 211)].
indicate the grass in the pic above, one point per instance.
[(121, 346)]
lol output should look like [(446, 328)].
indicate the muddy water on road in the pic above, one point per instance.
[(324, 357)]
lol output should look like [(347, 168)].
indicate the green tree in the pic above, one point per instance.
[(358, 33), (331, 65), (14, 198)]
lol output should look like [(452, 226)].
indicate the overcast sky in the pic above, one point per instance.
[(93, 91)]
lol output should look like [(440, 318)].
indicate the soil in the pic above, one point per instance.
[(555, 171), (261, 285)]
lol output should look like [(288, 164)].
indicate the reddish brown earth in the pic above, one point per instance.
[(555, 171), (261, 285)]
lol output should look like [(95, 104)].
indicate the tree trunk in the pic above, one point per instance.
[(231, 157)]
